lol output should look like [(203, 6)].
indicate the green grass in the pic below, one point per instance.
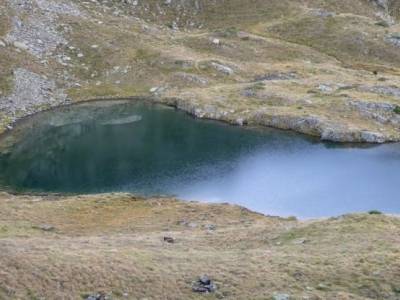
[(397, 110)]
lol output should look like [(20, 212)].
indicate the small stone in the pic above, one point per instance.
[(2, 44), (204, 285), (169, 239), (210, 227), (322, 287), (222, 68), (325, 88), (94, 46), (20, 45), (99, 296), (205, 280), (216, 42), (192, 225), (80, 55), (46, 227), (240, 121), (299, 241), (278, 296), (153, 89)]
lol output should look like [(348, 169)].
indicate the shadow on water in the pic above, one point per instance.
[(151, 149)]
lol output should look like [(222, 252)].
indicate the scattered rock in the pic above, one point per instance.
[(31, 91), (45, 227), (192, 225), (36, 29), (187, 223), (299, 241), (322, 13), (279, 296), (385, 90), (98, 296), (240, 121), (325, 88), (322, 287), (275, 76), (154, 89), (216, 42), (210, 227), (185, 64), (222, 68), (191, 78), (2, 44), (372, 137), (20, 45), (394, 39), (169, 239), (204, 285)]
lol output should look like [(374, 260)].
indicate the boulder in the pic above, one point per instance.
[(204, 285)]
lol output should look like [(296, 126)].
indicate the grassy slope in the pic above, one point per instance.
[(113, 243), (261, 37)]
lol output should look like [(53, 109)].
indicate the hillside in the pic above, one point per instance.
[(326, 68), (72, 247), (322, 67)]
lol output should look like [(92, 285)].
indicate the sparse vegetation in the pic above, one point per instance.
[(114, 244)]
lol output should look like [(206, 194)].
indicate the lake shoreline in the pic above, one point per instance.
[(345, 138)]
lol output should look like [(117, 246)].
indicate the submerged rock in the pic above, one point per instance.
[(121, 121)]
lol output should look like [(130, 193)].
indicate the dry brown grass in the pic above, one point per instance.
[(114, 243)]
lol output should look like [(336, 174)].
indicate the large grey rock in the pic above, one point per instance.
[(222, 68), (394, 39), (204, 285), (372, 137)]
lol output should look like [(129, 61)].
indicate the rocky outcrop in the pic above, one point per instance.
[(31, 92), (38, 33)]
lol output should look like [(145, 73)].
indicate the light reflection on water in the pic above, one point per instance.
[(152, 150)]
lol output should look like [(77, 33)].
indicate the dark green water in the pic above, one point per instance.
[(152, 150)]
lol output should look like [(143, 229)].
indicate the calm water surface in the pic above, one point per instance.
[(155, 150)]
